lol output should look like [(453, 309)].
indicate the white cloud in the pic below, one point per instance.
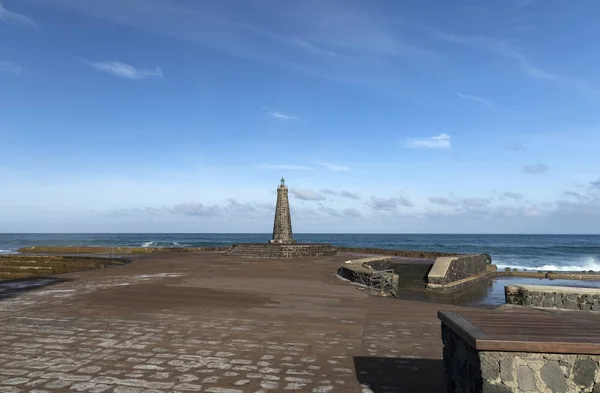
[(281, 116), (286, 167), (460, 203), (390, 204), (335, 168), (10, 67), (307, 195), (475, 98), (126, 71), (539, 168), (441, 141), (342, 194), (511, 195), (13, 17)]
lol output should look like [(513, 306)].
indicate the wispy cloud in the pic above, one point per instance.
[(475, 98), (286, 167), (10, 67), (335, 167), (460, 203), (125, 71), (281, 116), (390, 204), (502, 48), (327, 39), (511, 195), (307, 195), (517, 147), (538, 168), (441, 141), (342, 194), (16, 18)]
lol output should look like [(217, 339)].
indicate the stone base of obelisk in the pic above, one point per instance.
[(281, 250), (283, 242)]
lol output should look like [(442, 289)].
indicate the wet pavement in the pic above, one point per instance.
[(209, 323)]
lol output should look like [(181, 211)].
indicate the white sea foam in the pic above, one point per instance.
[(147, 244), (2, 251), (589, 263)]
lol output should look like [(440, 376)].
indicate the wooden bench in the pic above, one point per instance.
[(493, 351)]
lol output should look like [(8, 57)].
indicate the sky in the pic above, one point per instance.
[(384, 116)]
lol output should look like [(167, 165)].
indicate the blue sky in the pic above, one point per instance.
[(383, 116)]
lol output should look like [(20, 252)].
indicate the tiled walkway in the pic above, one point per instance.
[(208, 323)]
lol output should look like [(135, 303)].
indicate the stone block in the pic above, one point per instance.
[(548, 300), (558, 302), (526, 379), (490, 367), (553, 377), (506, 369), (584, 372)]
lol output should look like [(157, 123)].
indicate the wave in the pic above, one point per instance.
[(6, 251), (147, 244), (590, 263)]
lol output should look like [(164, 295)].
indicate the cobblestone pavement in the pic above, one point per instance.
[(207, 323)]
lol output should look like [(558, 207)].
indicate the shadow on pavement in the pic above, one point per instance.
[(399, 375), (14, 288)]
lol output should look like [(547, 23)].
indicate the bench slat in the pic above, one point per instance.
[(488, 330)]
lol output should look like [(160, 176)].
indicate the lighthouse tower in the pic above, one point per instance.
[(282, 226)]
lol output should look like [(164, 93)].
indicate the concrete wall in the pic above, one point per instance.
[(457, 271), (467, 370), (570, 298)]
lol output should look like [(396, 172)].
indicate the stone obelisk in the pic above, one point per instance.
[(282, 227)]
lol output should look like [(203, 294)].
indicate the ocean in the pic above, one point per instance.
[(532, 252)]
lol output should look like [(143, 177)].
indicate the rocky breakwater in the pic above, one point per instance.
[(569, 298), (14, 267)]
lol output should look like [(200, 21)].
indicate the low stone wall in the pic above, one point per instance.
[(360, 270), (450, 273), (472, 371), (397, 253), (144, 250), (570, 298), (278, 250), (24, 266), (114, 250)]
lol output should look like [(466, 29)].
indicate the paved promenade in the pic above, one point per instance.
[(208, 323)]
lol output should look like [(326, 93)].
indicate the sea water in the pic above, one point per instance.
[(531, 252)]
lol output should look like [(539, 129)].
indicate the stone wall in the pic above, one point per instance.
[(397, 253), (24, 266), (467, 370), (360, 270), (570, 298), (277, 250), (452, 272), (114, 250)]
